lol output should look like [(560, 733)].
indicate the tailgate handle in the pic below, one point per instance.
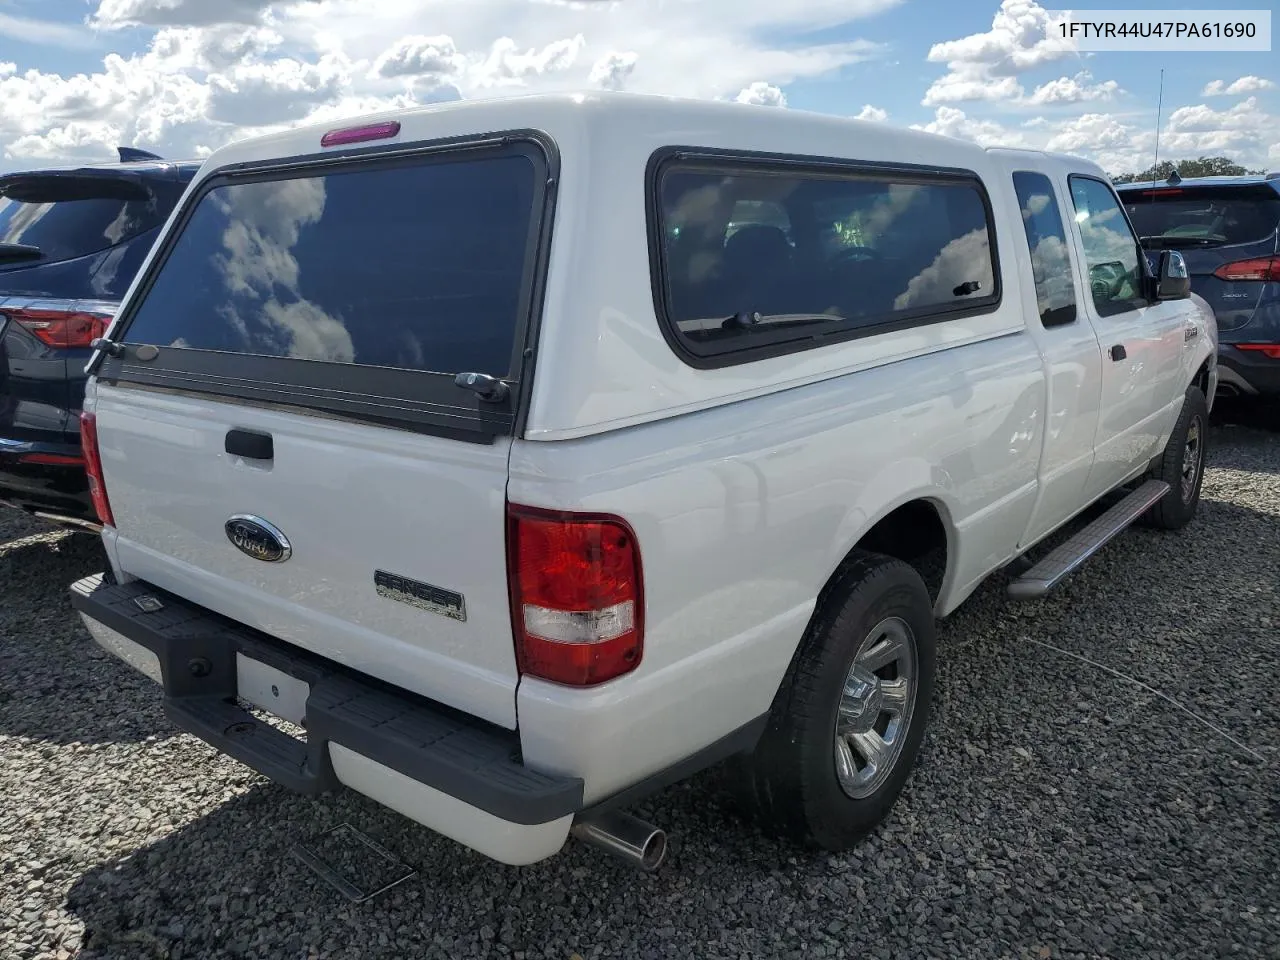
[(250, 445)]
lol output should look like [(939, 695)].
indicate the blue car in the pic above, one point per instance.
[(71, 241), (1228, 231)]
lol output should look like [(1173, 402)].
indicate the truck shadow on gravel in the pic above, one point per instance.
[(56, 685), (1053, 806), (1243, 432)]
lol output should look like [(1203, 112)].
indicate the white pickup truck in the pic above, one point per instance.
[(529, 455)]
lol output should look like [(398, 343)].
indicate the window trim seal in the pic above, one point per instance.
[(348, 390), (662, 159), (1143, 299)]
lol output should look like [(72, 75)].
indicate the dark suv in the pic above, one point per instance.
[(1228, 230), (71, 241)]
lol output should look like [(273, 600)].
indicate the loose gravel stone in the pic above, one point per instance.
[(1057, 811)]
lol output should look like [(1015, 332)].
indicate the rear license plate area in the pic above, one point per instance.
[(272, 690)]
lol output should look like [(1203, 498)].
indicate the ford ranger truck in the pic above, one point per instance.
[(526, 456)]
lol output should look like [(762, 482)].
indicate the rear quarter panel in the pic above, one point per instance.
[(747, 485), (744, 511)]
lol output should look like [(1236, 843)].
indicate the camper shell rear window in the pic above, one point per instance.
[(361, 288)]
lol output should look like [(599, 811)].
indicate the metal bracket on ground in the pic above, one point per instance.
[(352, 863)]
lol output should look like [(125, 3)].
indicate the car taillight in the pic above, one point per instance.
[(1260, 268), (93, 468), (65, 326), (1269, 350), (577, 602), (51, 460)]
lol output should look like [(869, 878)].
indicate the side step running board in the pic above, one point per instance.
[(1071, 554)]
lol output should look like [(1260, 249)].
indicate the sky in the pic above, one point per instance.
[(183, 77)]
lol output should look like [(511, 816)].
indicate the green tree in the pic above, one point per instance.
[(1203, 167)]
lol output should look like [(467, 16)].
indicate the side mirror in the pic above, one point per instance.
[(1174, 280)]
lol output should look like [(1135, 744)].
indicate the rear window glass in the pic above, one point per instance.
[(66, 229), (420, 267), (1203, 217), (1047, 242), (759, 258)]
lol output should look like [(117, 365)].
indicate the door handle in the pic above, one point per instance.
[(1118, 352), (250, 445)]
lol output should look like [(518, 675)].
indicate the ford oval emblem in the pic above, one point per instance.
[(258, 539)]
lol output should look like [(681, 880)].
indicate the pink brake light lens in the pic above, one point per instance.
[(374, 131)]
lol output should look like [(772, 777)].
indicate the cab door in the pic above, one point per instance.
[(1073, 360), (1141, 339)]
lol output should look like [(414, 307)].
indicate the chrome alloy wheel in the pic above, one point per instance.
[(876, 704), (1192, 453)]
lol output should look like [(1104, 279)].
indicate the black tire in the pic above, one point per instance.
[(789, 783), (1176, 508)]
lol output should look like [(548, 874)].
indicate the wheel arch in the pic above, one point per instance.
[(1201, 378), (916, 527)]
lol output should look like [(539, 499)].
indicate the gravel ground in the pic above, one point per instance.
[(1057, 811)]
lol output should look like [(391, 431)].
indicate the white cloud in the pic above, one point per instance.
[(134, 101), (1077, 89), (507, 66), (69, 140), (1096, 131), (114, 14), (709, 49), (216, 70), (961, 86), (254, 94), (1240, 131), (1020, 38), (45, 32), (954, 122), (1120, 145), (762, 94), (964, 259), (211, 48), (419, 55), (612, 71), (874, 114), (1249, 84), (982, 66)]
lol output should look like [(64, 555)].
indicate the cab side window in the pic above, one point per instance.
[(1047, 240), (1110, 248)]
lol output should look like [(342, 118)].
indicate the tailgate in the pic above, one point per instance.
[(394, 537), (282, 437)]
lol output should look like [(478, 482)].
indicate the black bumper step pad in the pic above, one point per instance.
[(474, 761)]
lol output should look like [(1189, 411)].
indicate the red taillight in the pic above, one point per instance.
[(51, 460), (65, 328), (1260, 268), (93, 467), (577, 602), (373, 131), (1269, 350)]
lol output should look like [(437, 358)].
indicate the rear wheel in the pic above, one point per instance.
[(1182, 465), (848, 721)]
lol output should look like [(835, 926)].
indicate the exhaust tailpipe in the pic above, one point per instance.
[(626, 837)]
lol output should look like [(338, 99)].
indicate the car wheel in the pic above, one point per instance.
[(1182, 465), (847, 723)]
